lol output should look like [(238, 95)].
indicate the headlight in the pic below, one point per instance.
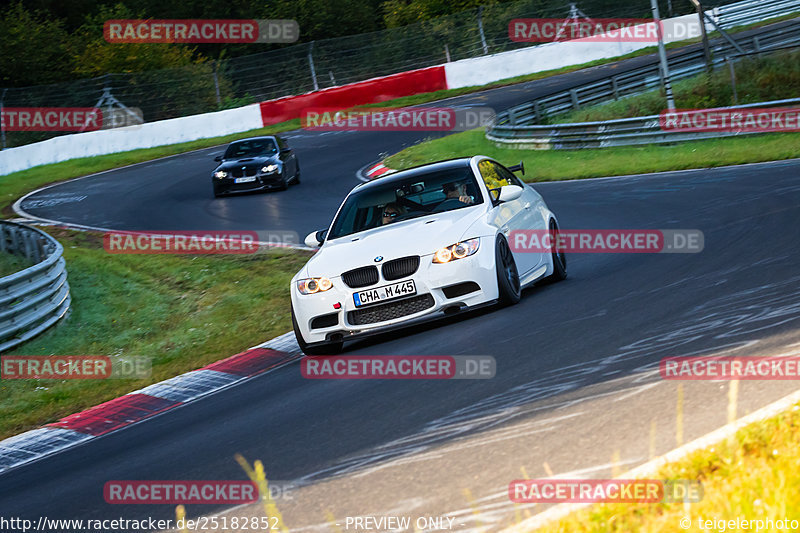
[(220, 174), (269, 168), (455, 251), (312, 285)]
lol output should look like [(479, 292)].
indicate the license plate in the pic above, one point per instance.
[(387, 292), (245, 180)]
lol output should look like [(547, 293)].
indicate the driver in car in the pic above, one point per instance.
[(457, 191), (390, 213)]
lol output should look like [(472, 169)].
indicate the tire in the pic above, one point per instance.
[(559, 260), (217, 193), (508, 286), (284, 184), (297, 176), (331, 348)]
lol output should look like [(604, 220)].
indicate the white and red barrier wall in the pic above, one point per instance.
[(453, 75)]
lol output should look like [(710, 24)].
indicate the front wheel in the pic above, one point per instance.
[(331, 348), (284, 184), (508, 284), (559, 258)]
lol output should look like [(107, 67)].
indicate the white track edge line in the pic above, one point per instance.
[(714, 437), (190, 401)]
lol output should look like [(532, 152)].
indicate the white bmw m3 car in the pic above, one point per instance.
[(420, 244)]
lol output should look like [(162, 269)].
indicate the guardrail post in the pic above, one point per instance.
[(706, 47), (28, 247), (573, 93), (615, 87), (14, 241), (512, 117), (733, 79), (480, 30), (663, 57), (216, 84), (2, 129), (756, 45), (311, 66)]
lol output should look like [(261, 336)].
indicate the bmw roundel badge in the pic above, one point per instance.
[(379, 259)]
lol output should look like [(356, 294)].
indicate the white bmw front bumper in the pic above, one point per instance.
[(467, 282)]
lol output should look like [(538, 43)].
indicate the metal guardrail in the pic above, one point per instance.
[(522, 121), (35, 298), (743, 13), (620, 132)]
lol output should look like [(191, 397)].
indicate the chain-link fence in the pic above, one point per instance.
[(296, 69)]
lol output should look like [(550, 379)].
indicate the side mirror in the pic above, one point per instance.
[(218, 158), (509, 193), (315, 238)]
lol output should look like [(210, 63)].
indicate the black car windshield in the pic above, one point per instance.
[(380, 204), (251, 148)]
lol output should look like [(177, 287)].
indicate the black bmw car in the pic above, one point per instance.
[(257, 163)]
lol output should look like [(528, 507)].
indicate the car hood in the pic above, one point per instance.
[(420, 236), (247, 161)]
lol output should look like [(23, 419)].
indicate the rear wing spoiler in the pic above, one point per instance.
[(518, 168)]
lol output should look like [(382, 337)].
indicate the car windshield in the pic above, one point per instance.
[(380, 204), (251, 148)]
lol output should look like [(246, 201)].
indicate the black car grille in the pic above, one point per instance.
[(238, 172), (400, 268), (390, 311), (361, 277)]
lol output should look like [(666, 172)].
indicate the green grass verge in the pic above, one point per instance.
[(10, 264), (547, 165), (753, 476), (182, 311), (773, 77)]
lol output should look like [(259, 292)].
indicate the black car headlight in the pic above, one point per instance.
[(455, 251), (219, 174), (269, 168)]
